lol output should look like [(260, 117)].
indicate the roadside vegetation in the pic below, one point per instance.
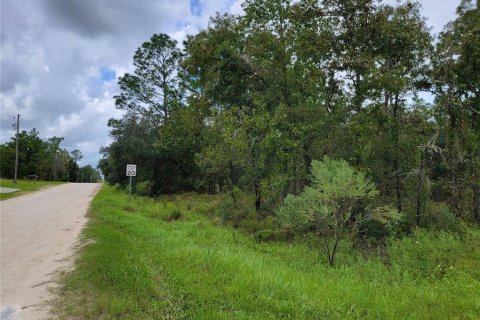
[(25, 187), (249, 103), (179, 257), (287, 167), (44, 159)]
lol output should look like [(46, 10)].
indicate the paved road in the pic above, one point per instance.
[(38, 232)]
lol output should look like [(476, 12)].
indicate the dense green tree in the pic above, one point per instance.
[(88, 174), (253, 99), (153, 89), (134, 137), (43, 158), (157, 132), (457, 90)]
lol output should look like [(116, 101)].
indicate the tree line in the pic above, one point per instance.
[(44, 159), (252, 101)]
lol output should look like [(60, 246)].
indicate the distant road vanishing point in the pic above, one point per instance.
[(38, 234)]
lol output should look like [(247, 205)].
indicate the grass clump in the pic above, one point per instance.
[(142, 267), (173, 216)]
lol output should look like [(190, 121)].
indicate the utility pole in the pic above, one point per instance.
[(16, 149)]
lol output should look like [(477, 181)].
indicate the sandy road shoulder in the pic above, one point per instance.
[(38, 234)]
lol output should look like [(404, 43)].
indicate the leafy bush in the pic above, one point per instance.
[(254, 223), (265, 235), (144, 188), (376, 227), (235, 211), (268, 235), (326, 206), (441, 217)]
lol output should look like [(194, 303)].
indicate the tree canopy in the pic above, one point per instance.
[(253, 100), (44, 159)]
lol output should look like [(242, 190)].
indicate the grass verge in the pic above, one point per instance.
[(165, 259), (24, 186)]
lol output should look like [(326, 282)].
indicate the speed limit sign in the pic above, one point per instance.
[(131, 170)]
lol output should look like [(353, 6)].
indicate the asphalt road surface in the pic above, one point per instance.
[(38, 234)]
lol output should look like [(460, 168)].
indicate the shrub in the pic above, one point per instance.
[(264, 235), (326, 206), (440, 217), (272, 235), (235, 211), (144, 188)]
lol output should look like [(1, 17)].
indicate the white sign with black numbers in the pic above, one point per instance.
[(131, 170)]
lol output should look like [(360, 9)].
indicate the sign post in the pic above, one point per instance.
[(131, 172)]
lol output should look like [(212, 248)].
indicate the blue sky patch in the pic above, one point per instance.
[(95, 84), (196, 8), (107, 74)]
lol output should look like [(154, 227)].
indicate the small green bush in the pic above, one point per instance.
[(440, 217), (252, 224), (144, 188), (381, 223), (234, 212), (326, 205), (269, 235)]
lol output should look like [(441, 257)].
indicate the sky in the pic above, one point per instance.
[(60, 59)]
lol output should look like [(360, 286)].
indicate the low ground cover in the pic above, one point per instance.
[(175, 258)]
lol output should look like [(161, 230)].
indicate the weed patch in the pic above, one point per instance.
[(173, 216)]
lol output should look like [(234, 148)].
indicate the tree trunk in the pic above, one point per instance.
[(258, 197), (230, 184), (256, 182), (476, 202), (396, 141), (419, 190), (452, 160)]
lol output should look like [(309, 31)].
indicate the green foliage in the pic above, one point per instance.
[(390, 219), (251, 100), (456, 84), (441, 217), (235, 207), (435, 255), (88, 174), (325, 207), (43, 158), (144, 188), (157, 132), (268, 235), (153, 89), (135, 266)]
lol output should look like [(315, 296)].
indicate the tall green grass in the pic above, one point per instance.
[(139, 263)]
